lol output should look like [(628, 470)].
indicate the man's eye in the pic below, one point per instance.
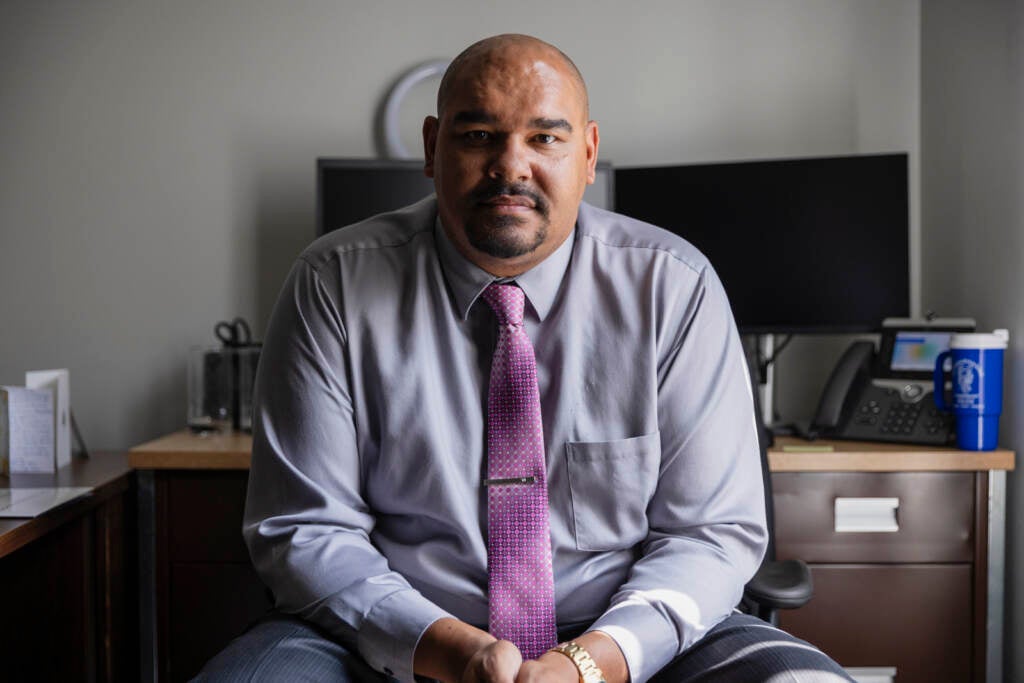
[(545, 139), (477, 135)]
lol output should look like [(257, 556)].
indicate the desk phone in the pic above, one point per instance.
[(888, 395)]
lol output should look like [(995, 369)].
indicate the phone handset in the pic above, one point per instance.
[(855, 364)]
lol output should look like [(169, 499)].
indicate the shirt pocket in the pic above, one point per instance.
[(610, 485)]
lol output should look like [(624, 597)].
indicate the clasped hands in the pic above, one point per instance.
[(501, 662), (455, 652)]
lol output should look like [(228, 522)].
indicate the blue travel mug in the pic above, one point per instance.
[(977, 379)]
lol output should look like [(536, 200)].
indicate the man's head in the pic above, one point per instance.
[(510, 151)]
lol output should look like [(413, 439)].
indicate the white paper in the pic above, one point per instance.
[(58, 383), (29, 430)]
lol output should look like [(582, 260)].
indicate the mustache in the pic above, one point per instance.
[(498, 189)]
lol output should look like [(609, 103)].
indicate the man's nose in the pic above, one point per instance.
[(511, 161)]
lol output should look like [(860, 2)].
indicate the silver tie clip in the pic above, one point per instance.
[(509, 480)]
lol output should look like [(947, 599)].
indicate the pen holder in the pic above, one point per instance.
[(220, 384)]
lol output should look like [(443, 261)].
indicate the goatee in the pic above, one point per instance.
[(502, 236)]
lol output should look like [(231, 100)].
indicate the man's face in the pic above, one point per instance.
[(510, 157)]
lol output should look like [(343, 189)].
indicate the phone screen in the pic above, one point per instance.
[(917, 351)]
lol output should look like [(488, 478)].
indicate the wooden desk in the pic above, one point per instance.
[(796, 455), (924, 599), (188, 451), (199, 483), (67, 579), (199, 589)]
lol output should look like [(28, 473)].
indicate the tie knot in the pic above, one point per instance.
[(507, 301)]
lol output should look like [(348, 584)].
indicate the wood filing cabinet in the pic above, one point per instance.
[(207, 591), (68, 608), (906, 588), (199, 587)]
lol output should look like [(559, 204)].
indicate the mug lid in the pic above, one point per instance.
[(997, 339)]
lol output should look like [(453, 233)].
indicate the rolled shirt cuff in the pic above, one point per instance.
[(392, 629)]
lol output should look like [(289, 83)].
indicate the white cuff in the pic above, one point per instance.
[(647, 639), (390, 632)]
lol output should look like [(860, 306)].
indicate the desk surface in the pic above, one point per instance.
[(790, 454), (185, 450), (107, 473)]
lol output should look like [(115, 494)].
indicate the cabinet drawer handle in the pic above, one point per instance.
[(872, 674), (870, 515)]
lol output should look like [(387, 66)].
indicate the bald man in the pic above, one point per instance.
[(503, 436)]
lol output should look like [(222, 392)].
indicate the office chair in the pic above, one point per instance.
[(784, 584)]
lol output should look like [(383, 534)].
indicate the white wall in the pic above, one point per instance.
[(157, 166), (972, 139)]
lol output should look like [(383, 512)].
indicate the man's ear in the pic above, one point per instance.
[(429, 142), (593, 141)]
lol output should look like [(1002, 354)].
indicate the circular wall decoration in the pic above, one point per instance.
[(389, 122)]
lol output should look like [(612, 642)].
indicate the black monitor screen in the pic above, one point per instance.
[(349, 190), (801, 245)]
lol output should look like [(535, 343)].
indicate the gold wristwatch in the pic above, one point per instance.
[(585, 664)]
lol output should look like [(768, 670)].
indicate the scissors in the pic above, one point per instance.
[(233, 334)]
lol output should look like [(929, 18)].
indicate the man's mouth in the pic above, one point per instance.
[(511, 198), (513, 202)]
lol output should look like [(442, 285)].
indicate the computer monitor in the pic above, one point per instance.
[(349, 190), (802, 245)]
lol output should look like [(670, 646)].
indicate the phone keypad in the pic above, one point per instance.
[(901, 418), (936, 422), (868, 413), (906, 415)]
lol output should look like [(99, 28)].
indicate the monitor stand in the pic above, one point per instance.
[(762, 375), (764, 348)]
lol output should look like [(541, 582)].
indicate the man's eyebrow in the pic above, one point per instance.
[(481, 116), (473, 116), (551, 124)]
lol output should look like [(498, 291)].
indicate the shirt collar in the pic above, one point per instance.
[(467, 280)]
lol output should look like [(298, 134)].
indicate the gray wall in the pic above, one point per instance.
[(157, 166), (972, 140)]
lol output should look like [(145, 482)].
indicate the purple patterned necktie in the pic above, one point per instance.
[(522, 587)]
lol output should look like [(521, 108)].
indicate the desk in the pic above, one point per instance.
[(67, 579), (199, 589), (198, 489), (925, 598)]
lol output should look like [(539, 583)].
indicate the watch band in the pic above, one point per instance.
[(585, 664)]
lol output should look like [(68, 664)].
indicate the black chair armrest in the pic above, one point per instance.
[(784, 584)]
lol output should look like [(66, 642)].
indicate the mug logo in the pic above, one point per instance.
[(967, 375)]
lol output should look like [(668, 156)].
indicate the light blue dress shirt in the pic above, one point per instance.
[(366, 513)]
